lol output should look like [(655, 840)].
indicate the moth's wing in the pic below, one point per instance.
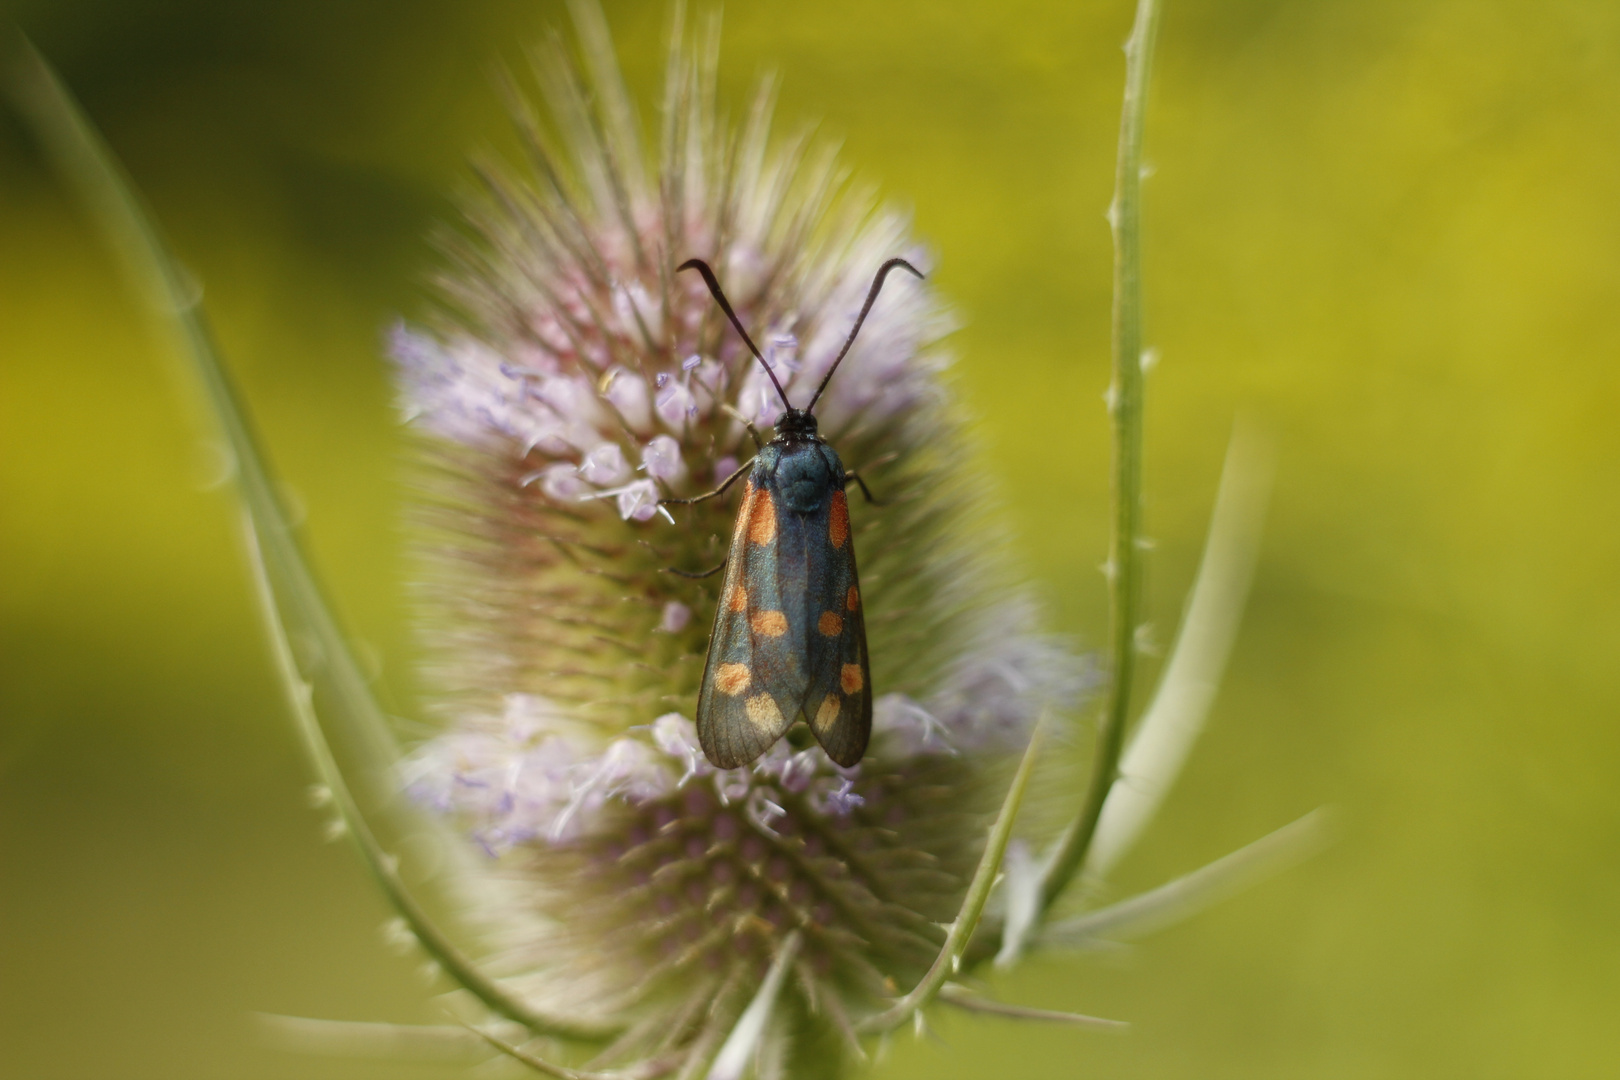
[(745, 703), (838, 697)]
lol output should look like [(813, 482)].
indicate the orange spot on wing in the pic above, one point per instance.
[(851, 678), (831, 624), (737, 598), (732, 679), (852, 599), (838, 520), (761, 517), (768, 623)]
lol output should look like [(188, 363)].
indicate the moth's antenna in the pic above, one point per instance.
[(725, 305), (871, 298)]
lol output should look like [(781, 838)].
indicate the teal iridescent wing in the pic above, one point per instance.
[(754, 679), (838, 698), (789, 640)]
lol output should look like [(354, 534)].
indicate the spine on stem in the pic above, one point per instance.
[(1124, 567)]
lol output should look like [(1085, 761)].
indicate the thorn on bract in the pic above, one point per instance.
[(398, 937)]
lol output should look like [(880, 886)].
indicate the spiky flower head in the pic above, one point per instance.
[(576, 380)]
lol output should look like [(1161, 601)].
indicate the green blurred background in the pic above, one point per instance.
[(1389, 232)]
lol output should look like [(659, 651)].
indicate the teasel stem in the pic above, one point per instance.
[(1125, 404), (293, 604)]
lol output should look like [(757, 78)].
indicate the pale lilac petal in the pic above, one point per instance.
[(604, 465), (675, 618), (732, 784), (662, 459), (638, 501), (560, 482), (675, 403), (628, 394)]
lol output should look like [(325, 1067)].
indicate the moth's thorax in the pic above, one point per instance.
[(803, 471)]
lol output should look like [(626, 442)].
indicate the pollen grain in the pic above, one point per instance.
[(851, 679), (831, 624), (768, 623), (838, 520), (732, 679)]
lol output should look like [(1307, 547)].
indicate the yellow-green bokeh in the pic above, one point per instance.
[(1388, 232)]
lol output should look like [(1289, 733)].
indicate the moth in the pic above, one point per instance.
[(789, 639)]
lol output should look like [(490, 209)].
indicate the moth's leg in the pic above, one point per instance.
[(695, 577), (753, 432), (855, 476), (721, 490)]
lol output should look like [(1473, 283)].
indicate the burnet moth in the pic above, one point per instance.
[(789, 640)]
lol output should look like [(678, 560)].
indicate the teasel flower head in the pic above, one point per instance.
[(575, 380), (679, 917)]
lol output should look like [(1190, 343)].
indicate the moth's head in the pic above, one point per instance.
[(796, 425)]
